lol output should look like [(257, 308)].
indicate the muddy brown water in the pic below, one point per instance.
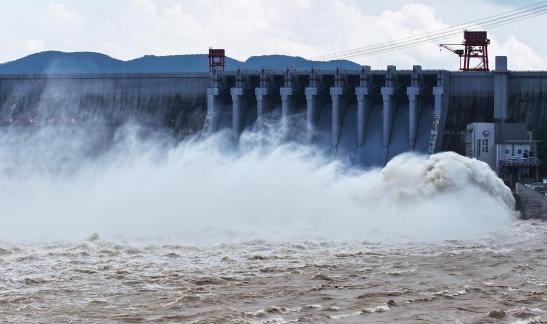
[(501, 278)]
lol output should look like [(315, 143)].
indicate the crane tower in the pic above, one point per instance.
[(474, 55)]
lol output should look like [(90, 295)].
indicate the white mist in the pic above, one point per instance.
[(202, 191)]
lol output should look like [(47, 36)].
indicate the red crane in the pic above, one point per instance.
[(475, 48)]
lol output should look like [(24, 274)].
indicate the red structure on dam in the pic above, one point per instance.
[(474, 55)]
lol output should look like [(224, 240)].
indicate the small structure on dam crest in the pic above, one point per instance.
[(217, 59)]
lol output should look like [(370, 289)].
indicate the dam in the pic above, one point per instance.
[(362, 116)]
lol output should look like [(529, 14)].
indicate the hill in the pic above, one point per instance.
[(91, 62)]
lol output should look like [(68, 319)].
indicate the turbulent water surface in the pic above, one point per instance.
[(502, 278), (272, 232)]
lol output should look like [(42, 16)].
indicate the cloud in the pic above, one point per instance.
[(33, 45), (408, 21), (307, 28), (61, 14), (521, 56)]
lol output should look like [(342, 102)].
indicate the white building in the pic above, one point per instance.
[(480, 143), (517, 160), (507, 147)]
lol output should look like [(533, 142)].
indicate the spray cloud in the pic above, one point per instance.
[(53, 187)]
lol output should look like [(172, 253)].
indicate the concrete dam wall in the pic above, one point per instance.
[(176, 101), (362, 116)]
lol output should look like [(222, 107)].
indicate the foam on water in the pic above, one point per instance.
[(65, 183)]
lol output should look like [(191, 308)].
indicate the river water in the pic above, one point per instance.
[(501, 278)]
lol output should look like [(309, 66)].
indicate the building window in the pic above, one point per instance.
[(519, 152), (506, 151)]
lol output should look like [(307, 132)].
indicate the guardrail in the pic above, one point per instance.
[(521, 162)]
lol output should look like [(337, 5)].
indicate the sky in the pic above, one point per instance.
[(127, 29)]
